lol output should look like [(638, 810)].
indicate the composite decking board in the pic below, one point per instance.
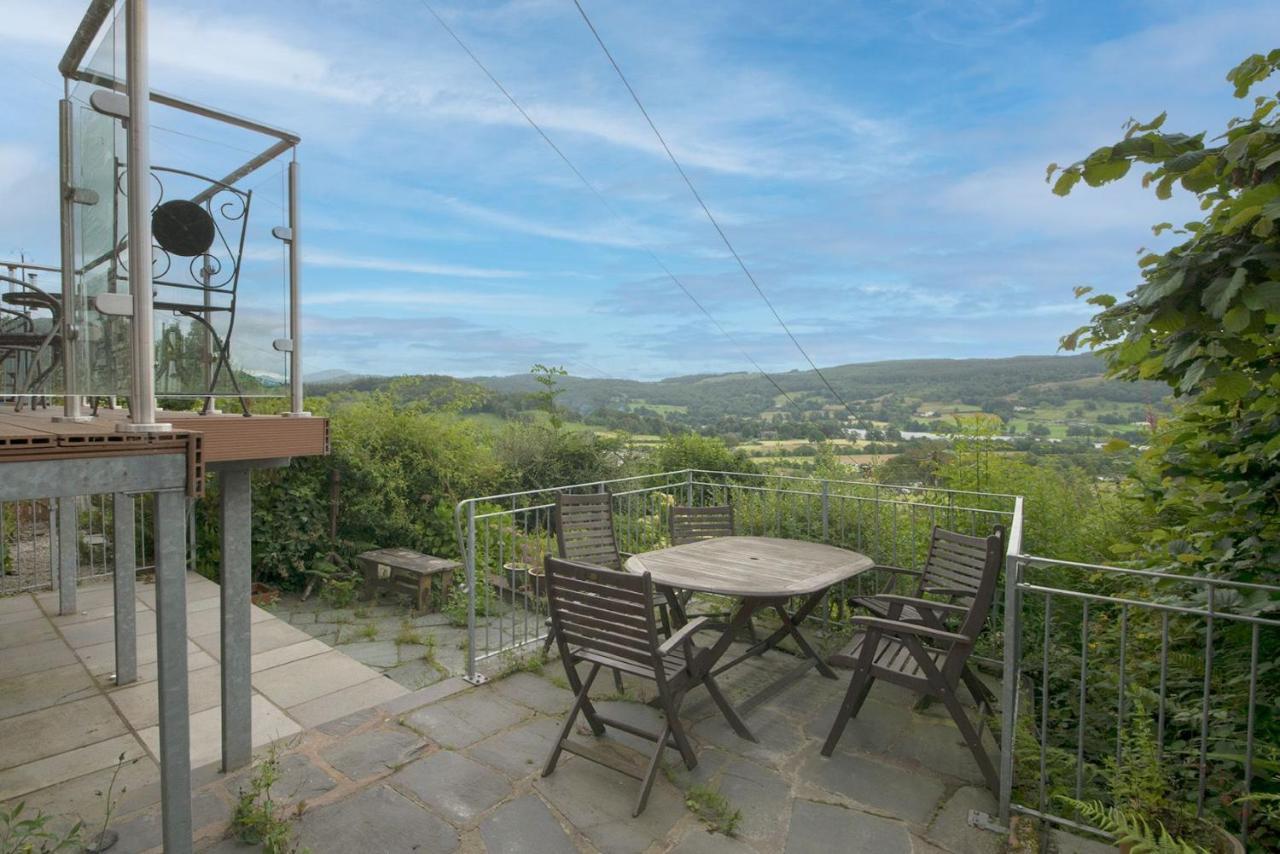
[(222, 438), (758, 567)]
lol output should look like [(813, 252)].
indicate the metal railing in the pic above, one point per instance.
[(29, 543), (1096, 656), (501, 537)]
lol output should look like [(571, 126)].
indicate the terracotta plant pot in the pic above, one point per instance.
[(262, 595)]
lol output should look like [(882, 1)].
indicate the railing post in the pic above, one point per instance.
[(474, 677), (1009, 686), (826, 511), (688, 487)]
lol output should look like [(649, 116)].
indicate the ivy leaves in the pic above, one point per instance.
[(1206, 320)]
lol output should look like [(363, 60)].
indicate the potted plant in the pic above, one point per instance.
[(1145, 816)]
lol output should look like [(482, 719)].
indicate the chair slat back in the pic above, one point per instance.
[(955, 562), (603, 611), (692, 524), (980, 606), (584, 529)]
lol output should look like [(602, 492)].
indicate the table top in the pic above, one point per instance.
[(408, 559), (751, 567)]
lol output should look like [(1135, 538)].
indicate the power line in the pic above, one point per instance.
[(706, 210), (605, 201)]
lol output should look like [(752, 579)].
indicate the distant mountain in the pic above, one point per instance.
[(333, 376), (704, 398)]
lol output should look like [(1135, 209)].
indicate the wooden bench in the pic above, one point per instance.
[(406, 572)]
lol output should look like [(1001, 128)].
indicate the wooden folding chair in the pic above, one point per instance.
[(927, 650), (585, 533), (952, 574), (606, 618), (692, 525)]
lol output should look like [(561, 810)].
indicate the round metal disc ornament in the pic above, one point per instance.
[(182, 228)]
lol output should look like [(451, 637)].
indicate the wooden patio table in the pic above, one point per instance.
[(760, 572)]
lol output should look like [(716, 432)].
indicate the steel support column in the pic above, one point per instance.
[(68, 556), (123, 576), (295, 294), (236, 506), (171, 644)]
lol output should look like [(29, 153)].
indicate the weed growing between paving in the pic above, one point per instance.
[(258, 819), (713, 809)]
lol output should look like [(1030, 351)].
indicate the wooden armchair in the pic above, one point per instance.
[(606, 618), (924, 645)]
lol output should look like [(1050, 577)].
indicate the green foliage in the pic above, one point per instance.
[(1204, 320), (692, 451), (547, 377), (29, 834), (1132, 828), (712, 809), (258, 819), (340, 591)]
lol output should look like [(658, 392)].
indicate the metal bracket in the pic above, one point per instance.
[(114, 305), (476, 679), (284, 345), (81, 195), (111, 104), (983, 821), (282, 232)]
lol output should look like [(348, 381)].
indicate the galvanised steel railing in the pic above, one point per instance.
[(1095, 654), (503, 537), (29, 542)]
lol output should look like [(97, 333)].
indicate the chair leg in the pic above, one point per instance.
[(646, 785), (972, 738), (567, 727), (859, 688), (550, 639), (664, 616), (575, 684)]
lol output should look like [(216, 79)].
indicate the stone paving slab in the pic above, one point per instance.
[(524, 825), (465, 719), (457, 788), (374, 752), (377, 819)]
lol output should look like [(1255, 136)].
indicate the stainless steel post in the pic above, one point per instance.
[(142, 414), (123, 578), (66, 207), (68, 555), (295, 295), (1009, 687), (826, 511), (473, 676), (236, 504), (171, 646)]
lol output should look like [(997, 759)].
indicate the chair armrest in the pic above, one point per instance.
[(949, 591), (921, 603), (894, 627), (684, 633)]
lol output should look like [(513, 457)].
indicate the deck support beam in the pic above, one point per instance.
[(123, 577), (171, 644), (68, 555), (235, 494)]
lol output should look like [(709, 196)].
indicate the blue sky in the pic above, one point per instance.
[(879, 165)]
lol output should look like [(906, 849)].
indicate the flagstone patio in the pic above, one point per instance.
[(456, 767)]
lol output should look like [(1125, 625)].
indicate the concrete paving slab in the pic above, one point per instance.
[(269, 724), (285, 654), (31, 691), (34, 657), (345, 701), (293, 683), (73, 763), (57, 729)]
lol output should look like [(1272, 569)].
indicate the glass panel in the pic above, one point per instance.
[(219, 276)]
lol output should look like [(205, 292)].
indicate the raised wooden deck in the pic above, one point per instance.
[(34, 435)]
